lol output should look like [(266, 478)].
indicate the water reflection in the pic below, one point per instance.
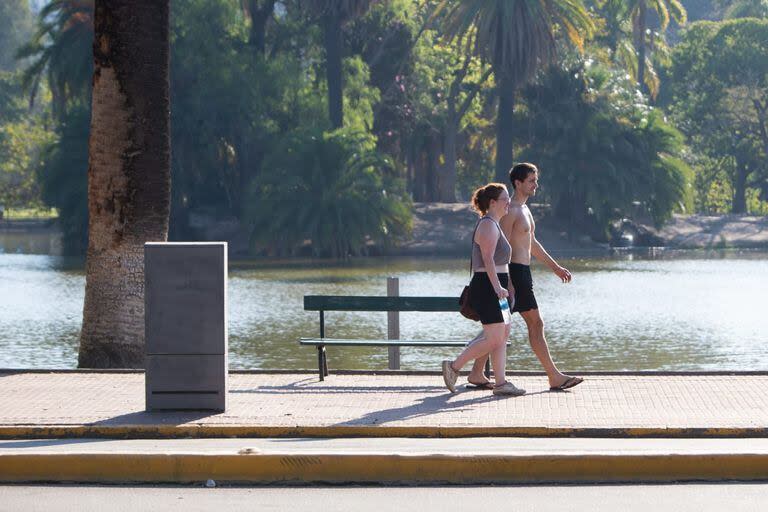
[(649, 310)]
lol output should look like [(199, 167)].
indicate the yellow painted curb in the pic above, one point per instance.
[(369, 468), (245, 431)]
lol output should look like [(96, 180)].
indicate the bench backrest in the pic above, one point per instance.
[(378, 303)]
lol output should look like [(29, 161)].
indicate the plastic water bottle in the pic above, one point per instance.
[(504, 305)]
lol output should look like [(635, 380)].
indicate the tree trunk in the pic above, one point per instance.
[(333, 44), (433, 183), (447, 189), (128, 176), (641, 25), (760, 110), (740, 189), (420, 173), (259, 18), (504, 130)]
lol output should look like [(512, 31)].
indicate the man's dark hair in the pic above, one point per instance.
[(520, 172)]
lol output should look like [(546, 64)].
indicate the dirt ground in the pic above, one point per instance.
[(445, 229)]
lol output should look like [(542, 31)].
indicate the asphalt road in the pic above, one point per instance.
[(697, 497)]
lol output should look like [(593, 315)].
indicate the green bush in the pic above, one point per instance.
[(63, 176), (327, 191), (602, 149)]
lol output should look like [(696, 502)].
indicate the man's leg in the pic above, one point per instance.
[(477, 373), (539, 345)]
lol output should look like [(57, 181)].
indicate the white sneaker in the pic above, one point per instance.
[(450, 376), (508, 389)]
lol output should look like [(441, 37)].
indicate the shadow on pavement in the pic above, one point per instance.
[(426, 407), (170, 417), (37, 443)]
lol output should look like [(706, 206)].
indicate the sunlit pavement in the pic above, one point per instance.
[(395, 428), (66, 404)]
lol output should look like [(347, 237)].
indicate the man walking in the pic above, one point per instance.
[(520, 229)]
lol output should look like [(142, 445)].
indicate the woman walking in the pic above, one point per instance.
[(488, 293)]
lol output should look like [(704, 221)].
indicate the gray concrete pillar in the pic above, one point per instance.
[(185, 320)]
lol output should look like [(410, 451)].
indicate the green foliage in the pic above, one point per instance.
[(359, 97), (516, 36), (61, 50), (328, 189), (601, 149), (618, 34), (743, 8), (11, 104), (63, 176), (423, 83), (719, 96), (21, 139), (16, 28)]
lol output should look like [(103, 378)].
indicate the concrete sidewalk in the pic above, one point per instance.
[(111, 404), (385, 460), (386, 428)]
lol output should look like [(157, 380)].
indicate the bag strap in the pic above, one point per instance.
[(472, 244)]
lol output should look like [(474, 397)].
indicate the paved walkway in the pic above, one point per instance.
[(263, 405)]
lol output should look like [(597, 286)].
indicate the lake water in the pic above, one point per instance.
[(656, 310)]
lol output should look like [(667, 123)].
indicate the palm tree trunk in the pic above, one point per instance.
[(641, 25), (333, 44), (504, 129), (447, 183), (128, 176)]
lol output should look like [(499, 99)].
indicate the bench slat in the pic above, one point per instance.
[(382, 343), (379, 303)]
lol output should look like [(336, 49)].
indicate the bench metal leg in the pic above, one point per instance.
[(321, 364), (325, 362), (488, 368)]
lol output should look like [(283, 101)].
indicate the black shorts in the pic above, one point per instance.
[(483, 298), (521, 279)]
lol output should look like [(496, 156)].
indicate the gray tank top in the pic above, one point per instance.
[(501, 256)]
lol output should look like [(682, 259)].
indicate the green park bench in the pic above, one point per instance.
[(323, 303)]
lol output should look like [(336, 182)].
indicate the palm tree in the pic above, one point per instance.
[(128, 175), (619, 39), (517, 37), (61, 49), (637, 12), (333, 15)]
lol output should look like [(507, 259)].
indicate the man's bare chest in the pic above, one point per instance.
[(523, 223)]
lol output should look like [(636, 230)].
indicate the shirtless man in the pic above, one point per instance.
[(519, 228)]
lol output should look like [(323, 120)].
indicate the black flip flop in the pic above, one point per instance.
[(568, 384), (483, 385)]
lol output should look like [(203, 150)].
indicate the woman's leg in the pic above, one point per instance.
[(477, 374), (494, 343)]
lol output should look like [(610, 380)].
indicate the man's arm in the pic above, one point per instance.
[(507, 224), (538, 252)]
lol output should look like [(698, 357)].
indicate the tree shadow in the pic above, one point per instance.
[(312, 385), (289, 389)]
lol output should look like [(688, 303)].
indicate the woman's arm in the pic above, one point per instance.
[(487, 236)]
